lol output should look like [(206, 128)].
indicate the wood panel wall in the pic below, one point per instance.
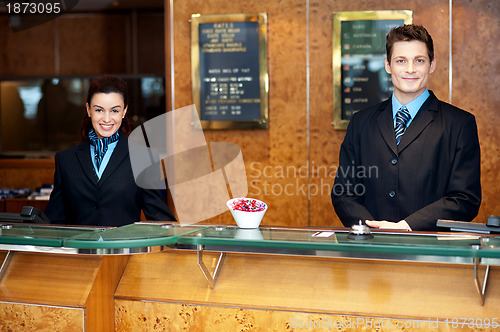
[(85, 44), (300, 131), (277, 159)]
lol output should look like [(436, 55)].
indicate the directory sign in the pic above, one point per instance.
[(229, 70), (360, 79)]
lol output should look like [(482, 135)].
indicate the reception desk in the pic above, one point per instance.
[(147, 277)]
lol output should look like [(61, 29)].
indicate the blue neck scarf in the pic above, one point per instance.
[(101, 145)]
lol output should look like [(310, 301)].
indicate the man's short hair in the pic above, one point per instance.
[(409, 32)]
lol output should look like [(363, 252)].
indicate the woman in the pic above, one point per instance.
[(93, 181)]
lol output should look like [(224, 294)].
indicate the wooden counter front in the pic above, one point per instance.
[(50, 292), (255, 292), (270, 292)]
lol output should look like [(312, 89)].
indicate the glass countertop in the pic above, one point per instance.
[(230, 237), (130, 236), (40, 235), (399, 243)]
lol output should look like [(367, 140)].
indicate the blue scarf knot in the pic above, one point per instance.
[(101, 145)]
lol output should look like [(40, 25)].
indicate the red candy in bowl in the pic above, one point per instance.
[(247, 212)]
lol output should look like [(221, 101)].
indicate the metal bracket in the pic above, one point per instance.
[(480, 290), (5, 263), (212, 280)]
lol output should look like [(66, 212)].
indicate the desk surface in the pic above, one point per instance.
[(147, 235), (383, 242)]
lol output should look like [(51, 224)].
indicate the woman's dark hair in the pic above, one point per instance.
[(409, 32), (106, 84)]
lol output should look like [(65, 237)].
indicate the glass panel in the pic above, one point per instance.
[(42, 115), (51, 236), (314, 239), (130, 236), (490, 245), (153, 234)]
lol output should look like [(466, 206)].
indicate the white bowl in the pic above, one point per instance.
[(246, 219)]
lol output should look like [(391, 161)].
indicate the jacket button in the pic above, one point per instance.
[(392, 193), (394, 161)]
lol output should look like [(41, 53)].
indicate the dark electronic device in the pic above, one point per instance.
[(493, 221), (29, 214), (492, 226)]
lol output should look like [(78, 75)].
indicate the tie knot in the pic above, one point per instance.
[(403, 115), (402, 118)]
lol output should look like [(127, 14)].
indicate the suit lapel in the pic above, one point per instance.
[(83, 156), (386, 126), (424, 116), (120, 152)]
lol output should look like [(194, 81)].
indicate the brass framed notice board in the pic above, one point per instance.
[(229, 70), (359, 76)]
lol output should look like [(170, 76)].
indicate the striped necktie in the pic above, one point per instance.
[(402, 118), (101, 145)]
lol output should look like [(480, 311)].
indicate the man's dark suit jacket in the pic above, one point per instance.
[(79, 198), (434, 172)]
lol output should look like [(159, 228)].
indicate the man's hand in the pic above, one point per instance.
[(382, 224)]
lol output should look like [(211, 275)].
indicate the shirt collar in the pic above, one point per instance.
[(105, 160), (412, 106)]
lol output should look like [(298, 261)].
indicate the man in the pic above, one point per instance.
[(413, 159)]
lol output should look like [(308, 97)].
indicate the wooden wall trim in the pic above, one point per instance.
[(27, 163)]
